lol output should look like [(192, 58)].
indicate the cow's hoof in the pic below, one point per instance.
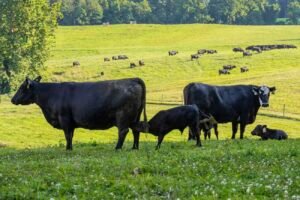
[(134, 148)]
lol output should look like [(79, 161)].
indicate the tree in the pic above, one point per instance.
[(26, 32), (294, 11)]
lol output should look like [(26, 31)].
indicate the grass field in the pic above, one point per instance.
[(178, 170)]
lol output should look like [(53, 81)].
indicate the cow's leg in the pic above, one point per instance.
[(209, 134), (242, 130), (191, 136), (205, 133), (69, 132), (216, 131), (196, 132), (234, 129), (122, 135), (159, 141), (68, 129), (136, 138)]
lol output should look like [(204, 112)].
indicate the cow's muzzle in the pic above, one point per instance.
[(265, 105)]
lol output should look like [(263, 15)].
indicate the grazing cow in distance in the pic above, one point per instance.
[(211, 51), (266, 133), (229, 67), (247, 53), (195, 56), (90, 105), (177, 118), (244, 69), (132, 65), (224, 71), (122, 57), (141, 63), (237, 49), (106, 59), (173, 53), (201, 51), (257, 49), (76, 63), (237, 104), (115, 57), (101, 73)]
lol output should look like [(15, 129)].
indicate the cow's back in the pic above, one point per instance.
[(225, 103)]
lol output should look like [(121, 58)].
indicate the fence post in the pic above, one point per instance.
[(283, 111)]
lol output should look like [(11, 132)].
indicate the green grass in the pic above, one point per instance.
[(245, 169), (227, 168)]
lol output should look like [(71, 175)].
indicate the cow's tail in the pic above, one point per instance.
[(186, 94), (144, 104)]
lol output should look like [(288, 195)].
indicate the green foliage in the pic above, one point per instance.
[(80, 12), (26, 31), (294, 11)]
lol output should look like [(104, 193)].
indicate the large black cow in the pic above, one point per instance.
[(238, 104), (90, 105)]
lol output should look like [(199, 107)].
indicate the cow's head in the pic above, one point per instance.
[(208, 122), (259, 130), (25, 93), (263, 94)]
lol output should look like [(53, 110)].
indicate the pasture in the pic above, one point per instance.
[(34, 164)]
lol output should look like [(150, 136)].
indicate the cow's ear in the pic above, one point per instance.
[(272, 90), (28, 83), (264, 128), (255, 90), (38, 79)]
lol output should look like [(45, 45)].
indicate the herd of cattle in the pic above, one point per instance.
[(261, 48), (104, 104), (226, 70)]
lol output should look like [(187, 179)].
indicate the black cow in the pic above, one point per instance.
[(195, 56), (247, 53), (122, 57), (244, 69), (202, 51), (211, 51), (257, 49), (106, 59), (76, 63), (177, 118), (266, 133), (224, 71), (173, 53), (141, 63), (238, 104), (132, 65), (238, 49), (229, 67), (90, 105), (115, 58)]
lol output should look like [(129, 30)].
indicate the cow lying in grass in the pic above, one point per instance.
[(266, 133), (177, 118)]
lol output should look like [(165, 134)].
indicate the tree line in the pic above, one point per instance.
[(89, 12)]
